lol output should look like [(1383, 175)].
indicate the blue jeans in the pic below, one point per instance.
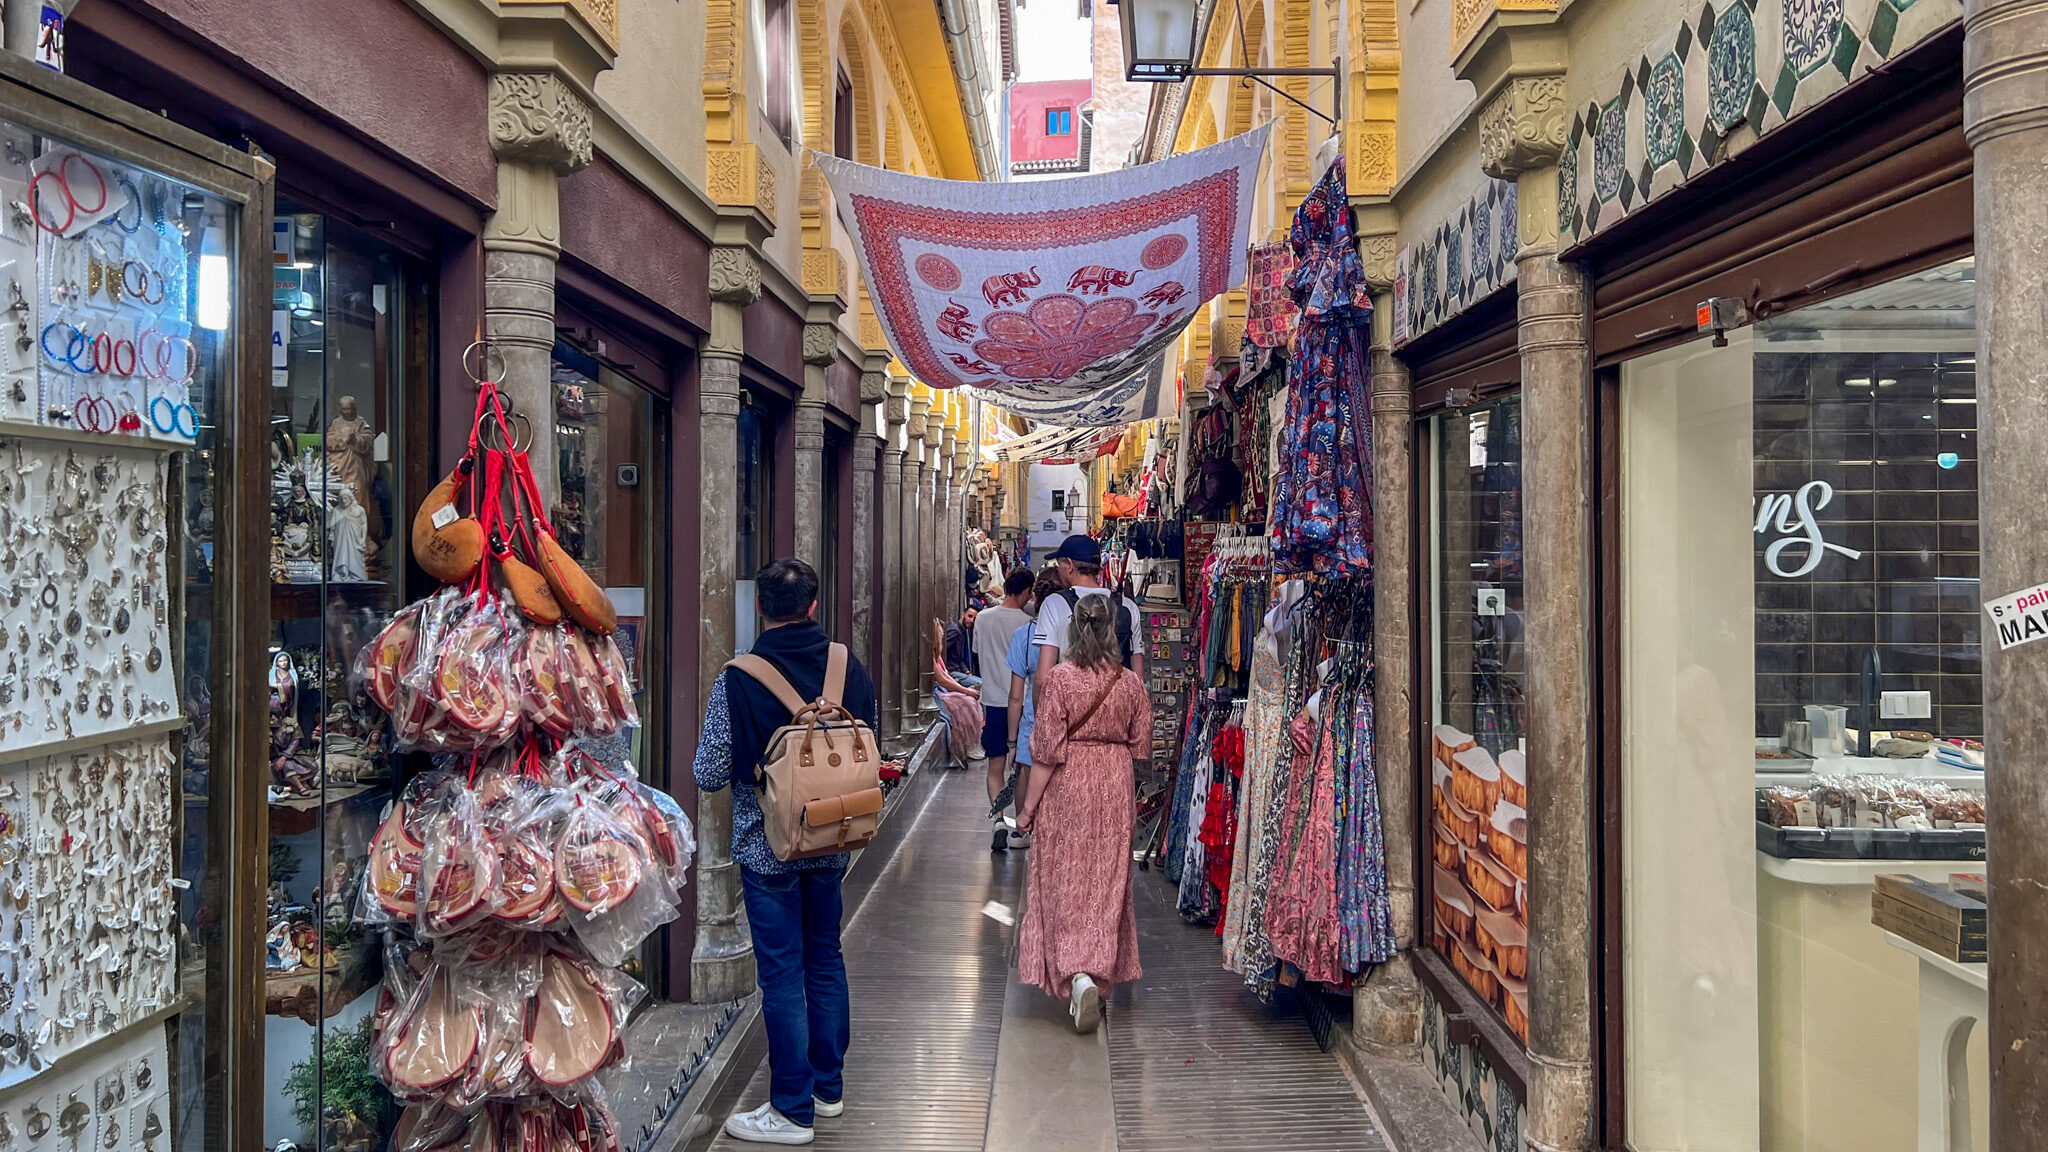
[(804, 999)]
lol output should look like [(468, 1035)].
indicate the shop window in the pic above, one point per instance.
[(609, 467), (1802, 711), (842, 116), (778, 93), (1059, 121), (123, 556), (755, 516), (350, 326), (1477, 816)]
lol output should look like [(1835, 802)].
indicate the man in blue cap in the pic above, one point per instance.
[(1080, 564)]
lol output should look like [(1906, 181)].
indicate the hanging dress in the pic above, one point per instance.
[(1322, 501)]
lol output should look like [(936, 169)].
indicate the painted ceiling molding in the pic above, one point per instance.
[(1734, 72)]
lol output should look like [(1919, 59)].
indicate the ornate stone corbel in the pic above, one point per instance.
[(821, 343), (1523, 128), (873, 387), (536, 116), (735, 277)]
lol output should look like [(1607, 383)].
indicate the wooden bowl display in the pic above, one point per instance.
[(1504, 942), (1463, 824), (1514, 776), (1507, 837), (1489, 881), (1452, 904), (1447, 742), (1515, 1005), (1444, 847), (1469, 964), (1475, 779)]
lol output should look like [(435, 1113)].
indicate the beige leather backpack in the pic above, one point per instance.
[(821, 774)]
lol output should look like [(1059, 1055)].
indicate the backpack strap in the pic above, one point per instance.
[(768, 677), (835, 676)]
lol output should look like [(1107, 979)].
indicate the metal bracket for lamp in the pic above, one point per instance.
[(1333, 74)]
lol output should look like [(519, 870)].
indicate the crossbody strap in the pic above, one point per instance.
[(1074, 729)]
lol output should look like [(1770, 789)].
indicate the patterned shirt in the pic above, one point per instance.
[(714, 770)]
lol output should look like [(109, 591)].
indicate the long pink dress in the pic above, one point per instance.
[(1078, 915)]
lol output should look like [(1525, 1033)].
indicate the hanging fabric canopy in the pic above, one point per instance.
[(1146, 394), (1048, 292), (1078, 445)]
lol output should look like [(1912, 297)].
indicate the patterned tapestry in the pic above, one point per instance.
[(1048, 292), (1147, 394)]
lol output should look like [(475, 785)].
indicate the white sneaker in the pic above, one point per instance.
[(1020, 839), (764, 1125), (828, 1108), (1084, 1004)]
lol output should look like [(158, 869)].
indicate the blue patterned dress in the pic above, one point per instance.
[(1322, 501)]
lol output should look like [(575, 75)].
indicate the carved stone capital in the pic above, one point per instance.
[(1523, 128), (536, 116), (874, 386), (895, 410), (916, 421), (735, 276), (821, 343), (1376, 253)]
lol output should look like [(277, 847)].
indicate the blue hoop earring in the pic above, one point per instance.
[(77, 344), (135, 198), (165, 427), (178, 413)]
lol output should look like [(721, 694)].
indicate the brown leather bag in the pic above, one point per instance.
[(821, 774), (448, 544)]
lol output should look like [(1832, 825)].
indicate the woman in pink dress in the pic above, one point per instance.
[(1079, 936)]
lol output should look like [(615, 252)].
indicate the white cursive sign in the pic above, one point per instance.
[(1779, 513)]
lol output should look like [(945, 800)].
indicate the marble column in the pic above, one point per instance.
[(807, 436), (1387, 1009), (1558, 545), (889, 680), (721, 964), (540, 131), (914, 668), (867, 442), (2005, 118)]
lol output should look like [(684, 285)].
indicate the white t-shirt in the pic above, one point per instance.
[(1054, 616), (993, 629)]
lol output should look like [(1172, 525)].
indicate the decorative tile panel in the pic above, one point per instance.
[(1482, 1099), (1734, 72), (1458, 262)]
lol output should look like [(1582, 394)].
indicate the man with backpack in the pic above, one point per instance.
[(791, 886), (1080, 564)]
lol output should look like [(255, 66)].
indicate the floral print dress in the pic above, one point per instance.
[(1322, 502), (1078, 910)]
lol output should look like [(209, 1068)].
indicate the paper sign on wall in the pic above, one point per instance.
[(2020, 618)]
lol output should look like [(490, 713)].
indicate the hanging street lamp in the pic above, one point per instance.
[(1161, 42)]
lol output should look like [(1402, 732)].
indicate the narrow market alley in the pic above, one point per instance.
[(950, 1054)]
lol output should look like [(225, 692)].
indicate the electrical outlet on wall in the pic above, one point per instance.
[(1905, 705)]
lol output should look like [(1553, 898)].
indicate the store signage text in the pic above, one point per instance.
[(1792, 518), (2020, 618)]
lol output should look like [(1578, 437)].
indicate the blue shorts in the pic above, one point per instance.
[(995, 731)]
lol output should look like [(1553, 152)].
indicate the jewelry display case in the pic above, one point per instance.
[(349, 347), (132, 620)]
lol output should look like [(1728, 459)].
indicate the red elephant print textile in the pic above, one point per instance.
[(1049, 293)]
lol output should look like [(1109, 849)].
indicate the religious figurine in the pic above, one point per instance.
[(299, 527), (294, 765), (351, 443), (348, 538), (284, 684)]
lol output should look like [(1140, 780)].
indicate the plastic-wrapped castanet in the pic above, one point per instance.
[(437, 1038), (570, 1033), (597, 866)]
